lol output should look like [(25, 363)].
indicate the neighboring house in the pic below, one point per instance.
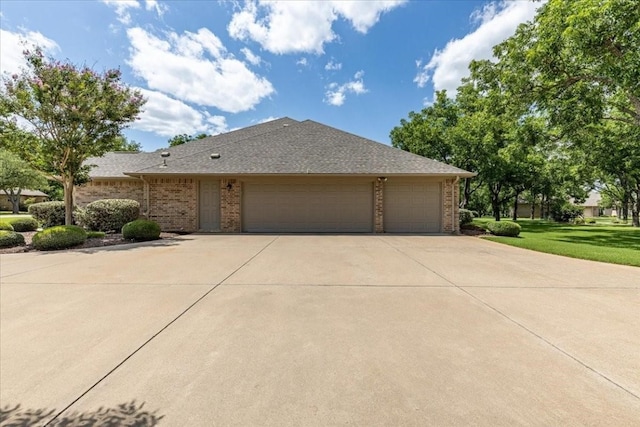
[(282, 176), (38, 196), (592, 206), (524, 210)]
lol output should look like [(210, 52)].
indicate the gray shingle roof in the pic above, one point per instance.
[(280, 147)]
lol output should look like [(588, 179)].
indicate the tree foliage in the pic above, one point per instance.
[(17, 175), (184, 138), (75, 113)]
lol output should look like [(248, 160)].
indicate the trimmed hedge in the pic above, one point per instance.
[(24, 224), (108, 214), (466, 217), (504, 228), (141, 230), (96, 234), (6, 226), (9, 239), (59, 237), (48, 214)]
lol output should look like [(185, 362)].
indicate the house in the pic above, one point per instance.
[(592, 206), (282, 176), (36, 195)]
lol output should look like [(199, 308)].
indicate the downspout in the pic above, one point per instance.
[(145, 195), (453, 207)]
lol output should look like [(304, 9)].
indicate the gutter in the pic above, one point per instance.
[(145, 195), (453, 210)]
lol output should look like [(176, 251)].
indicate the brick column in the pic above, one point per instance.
[(230, 201), (378, 200), (450, 211)]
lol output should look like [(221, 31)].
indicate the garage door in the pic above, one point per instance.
[(412, 207), (311, 206)]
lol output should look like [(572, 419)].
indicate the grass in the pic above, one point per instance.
[(616, 244), (4, 215)]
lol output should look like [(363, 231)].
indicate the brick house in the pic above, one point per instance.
[(282, 176)]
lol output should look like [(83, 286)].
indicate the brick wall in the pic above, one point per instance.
[(230, 205), (378, 200), (173, 203), (450, 209), (109, 189)]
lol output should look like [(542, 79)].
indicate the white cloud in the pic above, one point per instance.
[(250, 56), (13, 44), (166, 116), (303, 62), (267, 119), (122, 9), (302, 26), (498, 21), (196, 67), (337, 94), (333, 66), (154, 5)]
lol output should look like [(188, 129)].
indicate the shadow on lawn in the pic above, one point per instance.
[(608, 238), (125, 414)]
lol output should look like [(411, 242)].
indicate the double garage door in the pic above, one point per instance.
[(339, 206)]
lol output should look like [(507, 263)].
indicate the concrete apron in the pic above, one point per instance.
[(322, 330)]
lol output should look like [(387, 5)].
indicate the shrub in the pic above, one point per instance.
[(95, 234), (48, 214), (24, 224), (591, 221), (566, 212), (578, 221), (59, 237), (466, 216), (6, 226), (108, 214), (30, 201), (504, 228), (9, 239), (141, 230)]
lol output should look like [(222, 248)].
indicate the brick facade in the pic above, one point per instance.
[(230, 205), (450, 206), (378, 208), (109, 189), (173, 203)]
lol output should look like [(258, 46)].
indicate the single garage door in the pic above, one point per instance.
[(309, 206), (412, 207)]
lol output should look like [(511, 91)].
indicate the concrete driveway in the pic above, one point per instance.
[(320, 330)]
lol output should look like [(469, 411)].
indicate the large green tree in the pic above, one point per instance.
[(74, 111), (184, 138), (17, 175)]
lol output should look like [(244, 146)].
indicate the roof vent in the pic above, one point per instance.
[(215, 155), (164, 156), (285, 125)]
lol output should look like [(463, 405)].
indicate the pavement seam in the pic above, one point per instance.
[(122, 362), (541, 338)]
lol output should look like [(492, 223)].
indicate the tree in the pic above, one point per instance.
[(184, 138), (16, 175), (123, 144), (75, 112)]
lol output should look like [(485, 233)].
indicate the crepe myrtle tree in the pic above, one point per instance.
[(75, 112)]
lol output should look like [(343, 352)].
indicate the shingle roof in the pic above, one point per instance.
[(28, 193), (282, 147)]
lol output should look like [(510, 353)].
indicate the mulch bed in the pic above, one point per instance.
[(473, 230), (108, 240)]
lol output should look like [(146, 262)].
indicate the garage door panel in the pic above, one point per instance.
[(412, 207), (308, 207)]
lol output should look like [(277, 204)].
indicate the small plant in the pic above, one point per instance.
[(504, 228), (566, 212), (579, 221), (615, 221), (9, 239), (466, 216), (24, 224), (59, 237), (48, 214), (108, 214), (141, 230), (591, 221), (96, 234), (6, 226)]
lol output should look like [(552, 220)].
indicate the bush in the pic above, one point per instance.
[(141, 230), (466, 217), (591, 221), (30, 201), (59, 237), (6, 226), (578, 221), (108, 214), (9, 239), (504, 228), (95, 234), (24, 224), (48, 214), (566, 212)]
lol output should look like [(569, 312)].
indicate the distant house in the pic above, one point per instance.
[(5, 203), (592, 206), (283, 176)]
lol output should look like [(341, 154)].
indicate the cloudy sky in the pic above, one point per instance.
[(213, 66)]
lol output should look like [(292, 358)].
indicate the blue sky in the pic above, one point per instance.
[(214, 66)]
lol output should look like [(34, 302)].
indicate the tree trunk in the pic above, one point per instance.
[(515, 207), (67, 184), (466, 194), (542, 207), (533, 209), (635, 213), (14, 198), (495, 200)]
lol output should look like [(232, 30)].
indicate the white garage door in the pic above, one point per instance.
[(412, 207), (309, 206)]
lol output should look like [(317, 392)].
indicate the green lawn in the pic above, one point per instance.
[(617, 244)]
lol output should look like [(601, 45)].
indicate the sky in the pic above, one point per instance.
[(214, 66)]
